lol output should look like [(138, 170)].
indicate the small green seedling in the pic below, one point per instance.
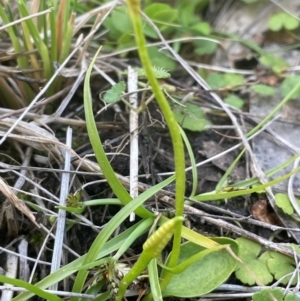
[(73, 203)]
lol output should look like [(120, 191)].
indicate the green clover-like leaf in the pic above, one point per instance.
[(275, 62), (283, 20), (248, 253), (280, 265)]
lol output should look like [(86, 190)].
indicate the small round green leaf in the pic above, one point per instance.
[(288, 84), (158, 58), (217, 80), (205, 47), (204, 275), (234, 101), (191, 117), (275, 62), (202, 28), (283, 20), (263, 89), (161, 14)]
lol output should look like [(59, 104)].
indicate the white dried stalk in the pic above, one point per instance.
[(24, 268), (134, 135), (11, 272), (61, 219)]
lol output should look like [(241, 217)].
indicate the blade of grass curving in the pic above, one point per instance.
[(224, 195), (66, 18), (103, 297), (143, 227), (179, 159), (31, 288), (192, 159), (154, 280), (27, 93), (268, 173), (22, 61), (42, 48), (42, 23), (223, 180), (29, 47), (53, 32), (275, 110), (68, 38), (110, 227), (99, 202), (59, 24), (97, 146), (111, 246)]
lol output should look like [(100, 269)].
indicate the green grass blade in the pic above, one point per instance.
[(53, 50), (22, 61), (110, 227), (223, 180), (42, 48), (67, 39), (69, 269), (192, 159), (97, 146), (143, 227), (154, 280), (275, 110), (268, 173), (212, 196), (31, 288)]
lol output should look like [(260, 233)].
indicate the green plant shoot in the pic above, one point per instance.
[(179, 158), (151, 249)]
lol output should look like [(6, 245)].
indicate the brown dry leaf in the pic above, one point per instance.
[(260, 212), (7, 191)]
